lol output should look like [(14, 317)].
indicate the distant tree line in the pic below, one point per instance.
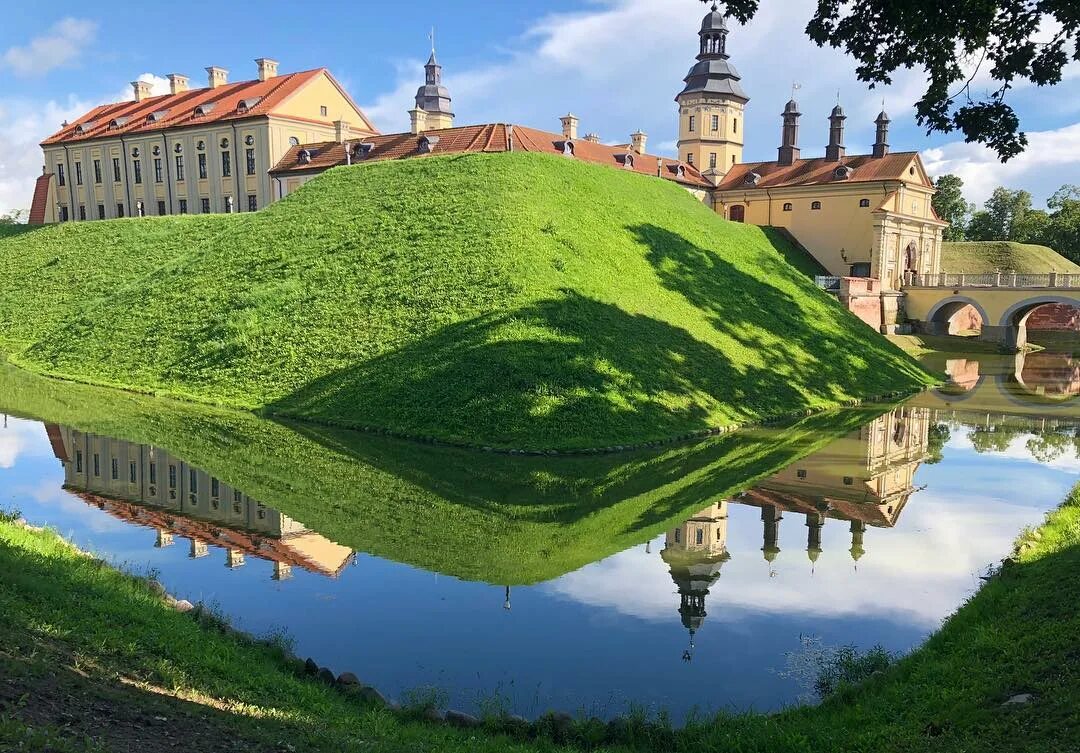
[(1008, 216), (12, 218)]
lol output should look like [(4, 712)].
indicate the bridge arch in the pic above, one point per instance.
[(1014, 320), (942, 312)]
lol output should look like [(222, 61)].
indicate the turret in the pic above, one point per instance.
[(433, 98), (835, 151), (771, 517), (789, 137), (815, 521), (881, 142), (858, 528)]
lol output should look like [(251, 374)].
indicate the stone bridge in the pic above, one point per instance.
[(1003, 300)]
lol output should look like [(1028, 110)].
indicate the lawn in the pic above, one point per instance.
[(511, 300), (92, 660), (981, 257)]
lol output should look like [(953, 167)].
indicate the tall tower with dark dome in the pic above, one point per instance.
[(434, 98), (711, 104)]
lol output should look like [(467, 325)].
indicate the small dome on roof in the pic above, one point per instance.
[(791, 107), (837, 112), (883, 117), (714, 21)]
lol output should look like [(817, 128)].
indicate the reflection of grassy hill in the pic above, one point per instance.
[(512, 300), (979, 257), (479, 516)]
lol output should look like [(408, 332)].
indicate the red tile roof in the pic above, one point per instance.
[(813, 172), (40, 203), (490, 137), (179, 110)]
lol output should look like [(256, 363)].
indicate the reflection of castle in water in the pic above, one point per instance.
[(864, 479), (147, 486)]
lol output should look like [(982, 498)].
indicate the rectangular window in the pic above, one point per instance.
[(183, 206), (226, 164), (97, 171), (228, 205), (60, 175), (253, 202), (158, 175), (215, 488), (250, 155), (716, 122), (63, 214), (693, 123), (323, 111), (237, 496), (78, 173), (137, 165), (116, 169), (97, 464), (78, 461), (712, 159), (193, 482), (205, 205), (161, 209), (202, 167), (677, 536), (119, 210), (700, 537), (800, 473), (689, 158), (115, 469), (179, 167), (734, 125), (172, 476), (101, 211), (153, 473), (133, 475), (82, 211)]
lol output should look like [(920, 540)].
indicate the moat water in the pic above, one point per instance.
[(694, 577)]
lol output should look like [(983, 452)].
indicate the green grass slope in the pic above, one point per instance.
[(980, 257), (513, 300)]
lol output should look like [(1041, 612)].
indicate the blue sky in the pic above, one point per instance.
[(616, 63)]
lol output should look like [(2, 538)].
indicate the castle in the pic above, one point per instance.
[(866, 220)]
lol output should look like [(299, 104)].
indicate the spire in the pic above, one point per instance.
[(858, 528), (835, 151), (789, 141), (713, 74), (771, 517), (434, 98), (881, 143)]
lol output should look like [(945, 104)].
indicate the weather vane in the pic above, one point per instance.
[(795, 86), (431, 36)]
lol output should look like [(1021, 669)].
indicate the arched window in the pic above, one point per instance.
[(788, 207), (815, 205), (737, 213), (864, 203), (293, 141)]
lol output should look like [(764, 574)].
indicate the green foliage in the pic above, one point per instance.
[(14, 217), (951, 206), (1008, 215), (511, 300), (939, 436), (1002, 217)]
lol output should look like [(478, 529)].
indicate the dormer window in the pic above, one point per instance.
[(363, 150), (627, 161), (204, 109), (751, 179), (843, 172), (246, 104), (427, 144), (680, 171), (117, 123), (568, 148), (304, 157), (154, 117), (85, 127)]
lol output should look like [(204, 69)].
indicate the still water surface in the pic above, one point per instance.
[(570, 586)]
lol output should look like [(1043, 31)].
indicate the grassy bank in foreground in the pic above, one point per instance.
[(512, 300), (164, 677)]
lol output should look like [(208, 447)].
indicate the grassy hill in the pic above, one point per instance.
[(980, 257), (513, 300)]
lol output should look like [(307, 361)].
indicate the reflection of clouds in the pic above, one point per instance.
[(917, 573), (11, 445), (1018, 450), (21, 438)]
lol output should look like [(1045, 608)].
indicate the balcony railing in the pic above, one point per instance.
[(993, 280)]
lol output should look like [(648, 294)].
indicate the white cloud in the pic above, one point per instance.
[(1051, 159), (59, 46)]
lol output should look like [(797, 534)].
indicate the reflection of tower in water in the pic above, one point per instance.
[(694, 552)]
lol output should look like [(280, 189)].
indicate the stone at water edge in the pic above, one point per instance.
[(461, 719), (348, 679), (326, 676), (183, 606), (156, 587)]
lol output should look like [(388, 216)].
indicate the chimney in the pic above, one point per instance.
[(341, 131), (835, 151), (637, 141), (142, 90), (569, 126), (417, 120), (881, 143), (216, 76), (267, 68), (789, 146), (178, 82)]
